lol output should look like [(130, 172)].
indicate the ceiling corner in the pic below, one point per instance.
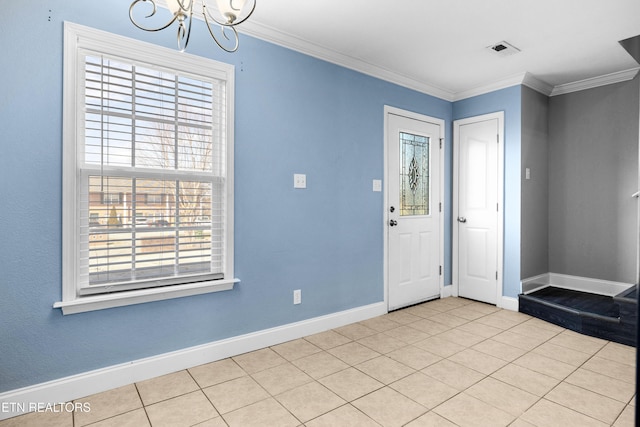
[(536, 84)]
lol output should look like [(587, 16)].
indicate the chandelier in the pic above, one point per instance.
[(226, 15)]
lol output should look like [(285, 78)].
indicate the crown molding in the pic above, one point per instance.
[(306, 47), (536, 84), (491, 87), (297, 44), (525, 79), (289, 41), (607, 79)]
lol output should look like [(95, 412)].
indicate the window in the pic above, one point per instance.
[(111, 198), (154, 199), (148, 154), (414, 170)]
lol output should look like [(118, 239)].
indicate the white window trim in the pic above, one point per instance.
[(77, 37)]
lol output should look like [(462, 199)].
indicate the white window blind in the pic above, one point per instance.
[(147, 161), (152, 169)]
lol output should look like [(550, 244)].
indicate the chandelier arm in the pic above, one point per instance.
[(184, 33), (206, 13), (182, 4), (185, 13), (224, 28), (133, 21)]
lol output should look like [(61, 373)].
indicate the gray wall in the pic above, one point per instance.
[(593, 171), (534, 253)]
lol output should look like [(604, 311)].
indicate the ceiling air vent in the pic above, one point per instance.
[(504, 49)]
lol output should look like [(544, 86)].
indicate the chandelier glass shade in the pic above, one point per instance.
[(220, 19)]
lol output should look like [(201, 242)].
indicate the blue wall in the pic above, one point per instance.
[(508, 100), (294, 114)]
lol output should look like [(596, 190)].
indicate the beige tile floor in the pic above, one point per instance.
[(449, 362)]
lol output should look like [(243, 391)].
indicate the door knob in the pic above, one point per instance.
[(393, 223), (462, 219)]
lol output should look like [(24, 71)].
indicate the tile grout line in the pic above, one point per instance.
[(144, 407), (490, 375), (206, 397), (443, 311)]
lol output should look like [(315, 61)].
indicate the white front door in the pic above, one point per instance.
[(413, 208), (476, 207)]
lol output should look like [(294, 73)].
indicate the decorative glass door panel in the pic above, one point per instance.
[(414, 174)]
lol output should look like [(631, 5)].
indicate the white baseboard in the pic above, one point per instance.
[(509, 303), (534, 283), (78, 386), (445, 291), (576, 283)]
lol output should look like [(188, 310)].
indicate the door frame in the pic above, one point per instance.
[(385, 216), (456, 178)]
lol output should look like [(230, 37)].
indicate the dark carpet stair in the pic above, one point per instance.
[(611, 318)]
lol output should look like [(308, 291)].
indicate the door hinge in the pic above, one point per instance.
[(497, 207), (498, 138), (440, 270), (496, 275), (441, 142), (440, 207)]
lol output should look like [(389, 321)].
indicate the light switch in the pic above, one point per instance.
[(377, 185), (299, 180)]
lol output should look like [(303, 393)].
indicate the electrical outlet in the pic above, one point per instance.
[(299, 180), (297, 296)]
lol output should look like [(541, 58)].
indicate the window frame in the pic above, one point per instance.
[(78, 39)]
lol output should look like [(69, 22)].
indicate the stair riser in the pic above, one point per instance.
[(622, 331)]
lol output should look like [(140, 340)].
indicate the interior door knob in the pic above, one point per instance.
[(393, 223), (462, 219)]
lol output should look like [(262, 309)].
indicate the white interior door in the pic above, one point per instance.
[(413, 209), (476, 207)]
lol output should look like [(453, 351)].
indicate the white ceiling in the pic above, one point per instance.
[(440, 46)]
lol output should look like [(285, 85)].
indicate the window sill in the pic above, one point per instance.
[(120, 299)]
